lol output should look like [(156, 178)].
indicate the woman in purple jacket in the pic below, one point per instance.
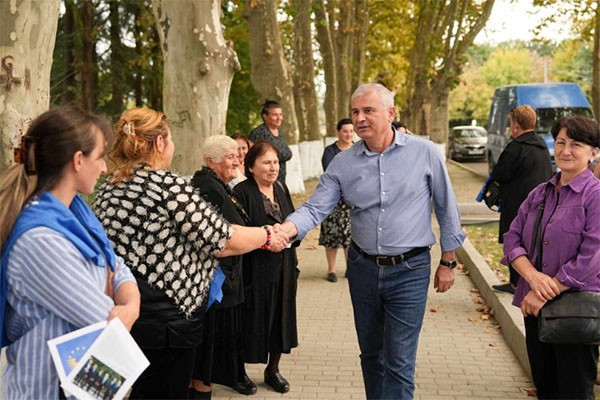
[(570, 259)]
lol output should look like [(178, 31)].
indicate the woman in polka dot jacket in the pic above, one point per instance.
[(169, 236)]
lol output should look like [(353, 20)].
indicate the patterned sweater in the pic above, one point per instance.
[(166, 233)]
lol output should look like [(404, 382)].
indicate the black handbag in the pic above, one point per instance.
[(490, 194), (573, 317)]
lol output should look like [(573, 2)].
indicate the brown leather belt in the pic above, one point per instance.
[(386, 261)]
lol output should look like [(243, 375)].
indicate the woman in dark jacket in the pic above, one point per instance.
[(219, 357), (270, 131), (270, 280), (524, 164)]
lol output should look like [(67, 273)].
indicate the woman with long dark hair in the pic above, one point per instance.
[(59, 271)]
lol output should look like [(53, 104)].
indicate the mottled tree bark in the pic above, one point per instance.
[(345, 38), (198, 69), (271, 77), (452, 27), (305, 72), (324, 37), (89, 69), (118, 69), (27, 37), (361, 27), (69, 83)]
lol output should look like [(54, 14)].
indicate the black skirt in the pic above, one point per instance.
[(219, 358)]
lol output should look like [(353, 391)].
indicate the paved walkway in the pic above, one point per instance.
[(460, 354)]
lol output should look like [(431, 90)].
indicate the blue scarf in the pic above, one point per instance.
[(77, 223)]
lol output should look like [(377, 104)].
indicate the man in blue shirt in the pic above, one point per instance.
[(389, 179)]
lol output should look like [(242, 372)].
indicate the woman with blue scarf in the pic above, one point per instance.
[(58, 270)]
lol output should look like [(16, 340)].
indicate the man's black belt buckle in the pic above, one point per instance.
[(386, 261)]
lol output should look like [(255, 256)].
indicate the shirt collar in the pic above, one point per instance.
[(400, 139), (577, 184)]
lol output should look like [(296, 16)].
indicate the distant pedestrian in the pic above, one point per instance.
[(270, 131), (523, 164), (335, 230), (400, 127), (244, 145)]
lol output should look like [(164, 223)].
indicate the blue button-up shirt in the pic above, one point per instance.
[(390, 195)]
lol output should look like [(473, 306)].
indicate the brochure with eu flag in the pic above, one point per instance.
[(98, 362)]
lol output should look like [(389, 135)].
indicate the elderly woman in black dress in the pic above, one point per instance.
[(270, 131), (219, 357), (335, 230), (270, 280)]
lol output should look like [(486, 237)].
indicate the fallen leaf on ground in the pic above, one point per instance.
[(485, 317), (483, 308), (473, 319), (531, 392), (311, 247), (474, 290), (435, 308)]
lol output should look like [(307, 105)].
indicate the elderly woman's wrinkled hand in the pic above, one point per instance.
[(279, 240), (544, 286), (532, 304)]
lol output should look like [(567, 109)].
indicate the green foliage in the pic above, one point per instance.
[(509, 66), (506, 64), (485, 239), (471, 99), (572, 62), (243, 113), (518, 62), (128, 64), (390, 36)]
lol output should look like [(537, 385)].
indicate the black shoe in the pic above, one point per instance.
[(506, 288), (245, 386), (277, 382), (332, 277)]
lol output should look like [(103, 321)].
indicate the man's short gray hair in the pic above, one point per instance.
[(216, 146), (386, 96)]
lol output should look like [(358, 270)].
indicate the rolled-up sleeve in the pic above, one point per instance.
[(123, 274), (444, 205)]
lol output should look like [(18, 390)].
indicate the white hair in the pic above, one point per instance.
[(385, 95), (216, 146)]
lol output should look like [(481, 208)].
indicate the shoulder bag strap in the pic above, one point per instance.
[(536, 238)]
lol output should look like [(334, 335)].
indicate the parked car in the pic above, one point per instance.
[(551, 101), (467, 142)]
